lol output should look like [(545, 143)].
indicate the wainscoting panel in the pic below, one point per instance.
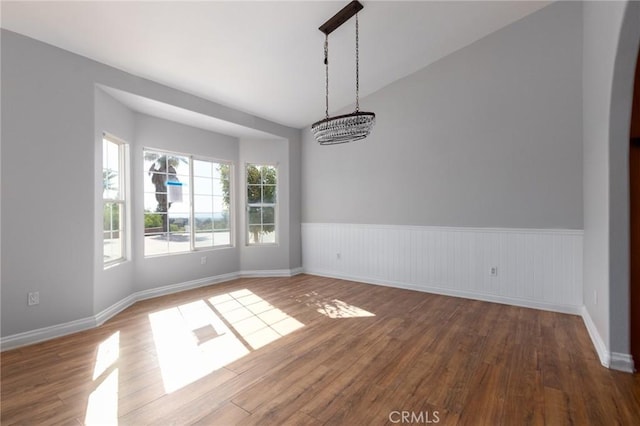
[(538, 268)]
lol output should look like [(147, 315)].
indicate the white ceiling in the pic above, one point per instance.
[(264, 58)]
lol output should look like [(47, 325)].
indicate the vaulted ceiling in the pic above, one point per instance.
[(264, 58)]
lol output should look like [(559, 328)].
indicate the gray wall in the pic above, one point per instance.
[(610, 50), (51, 120), (489, 136), (47, 185)]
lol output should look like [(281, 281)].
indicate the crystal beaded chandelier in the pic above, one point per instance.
[(347, 127)]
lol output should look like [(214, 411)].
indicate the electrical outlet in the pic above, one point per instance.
[(203, 260), (493, 271), (34, 298)]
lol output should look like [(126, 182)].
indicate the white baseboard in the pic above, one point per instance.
[(47, 333), (270, 273), (534, 304), (614, 360), (187, 285), (598, 343), (622, 362)]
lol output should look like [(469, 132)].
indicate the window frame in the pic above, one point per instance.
[(231, 203), (248, 205), (192, 227), (122, 199)]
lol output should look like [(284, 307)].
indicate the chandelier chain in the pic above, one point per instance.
[(347, 127), (326, 74), (357, 68)]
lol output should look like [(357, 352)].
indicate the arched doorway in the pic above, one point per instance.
[(634, 190), (618, 214)]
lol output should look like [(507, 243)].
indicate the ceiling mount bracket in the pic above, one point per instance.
[(341, 17)]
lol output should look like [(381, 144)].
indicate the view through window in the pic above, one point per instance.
[(186, 203), (113, 199), (261, 204)]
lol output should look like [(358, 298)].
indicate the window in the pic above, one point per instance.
[(113, 199), (211, 201), (261, 204), (186, 203)]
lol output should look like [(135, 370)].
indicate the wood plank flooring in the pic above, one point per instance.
[(312, 351)]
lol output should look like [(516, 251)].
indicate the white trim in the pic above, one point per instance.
[(188, 285), (598, 343), (114, 309), (525, 303), (613, 360), (271, 273), (297, 271), (59, 330), (558, 231), (46, 333), (622, 362)]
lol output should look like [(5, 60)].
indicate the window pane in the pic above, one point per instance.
[(202, 186), (151, 202), (204, 239), (180, 234), (268, 235), (202, 168), (223, 171), (149, 186), (253, 175), (217, 170), (178, 224), (268, 215), (112, 235), (113, 156), (110, 184), (155, 244), (222, 238), (268, 175), (218, 204), (255, 215), (154, 223), (221, 220), (182, 208), (269, 194), (204, 222), (179, 243), (254, 234), (202, 204), (110, 169), (254, 194)]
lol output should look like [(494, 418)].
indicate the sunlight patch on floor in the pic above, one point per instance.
[(198, 338), (102, 405), (254, 319), (186, 352), (108, 353), (333, 308), (339, 309)]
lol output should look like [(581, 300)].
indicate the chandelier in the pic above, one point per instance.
[(348, 127)]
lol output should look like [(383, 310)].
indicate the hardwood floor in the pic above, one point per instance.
[(308, 350)]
